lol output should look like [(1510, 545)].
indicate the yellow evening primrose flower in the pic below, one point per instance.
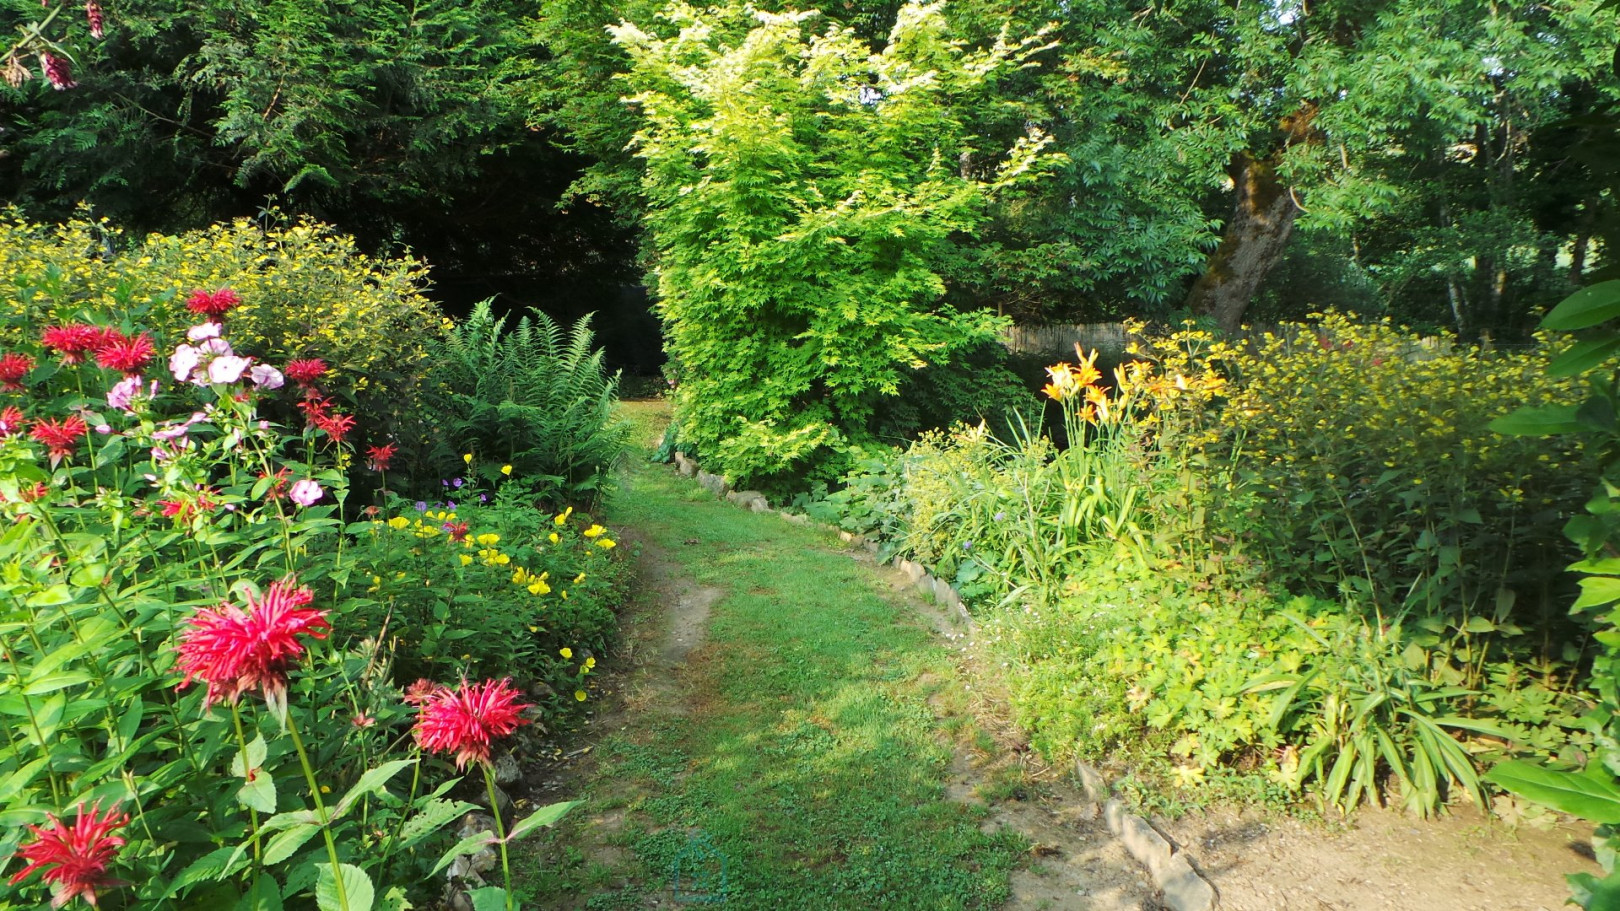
[(489, 540), (506, 470), (606, 544), (398, 522), (595, 531), (467, 458), (579, 695), (566, 652), (579, 578), (553, 538), (465, 559), (562, 517), (539, 587), (590, 663)]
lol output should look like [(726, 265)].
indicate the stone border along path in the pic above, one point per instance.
[(1173, 872)]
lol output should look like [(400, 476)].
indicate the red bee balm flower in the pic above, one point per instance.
[(127, 355), (233, 651), (214, 305), (378, 457), (74, 858), (61, 436), (72, 341), (306, 371), (13, 367), (11, 421), (467, 720)]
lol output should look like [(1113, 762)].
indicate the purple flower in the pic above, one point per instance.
[(227, 368), (305, 492), (1000, 515), (183, 362), (483, 498), (267, 377), (124, 392), (421, 506), (456, 483), (450, 504), (203, 332)]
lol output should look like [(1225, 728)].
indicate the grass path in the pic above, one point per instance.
[(787, 715)]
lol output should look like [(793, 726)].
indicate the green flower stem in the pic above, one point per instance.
[(500, 832), (320, 811), (399, 825), (253, 814)]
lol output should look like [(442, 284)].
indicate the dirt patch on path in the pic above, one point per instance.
[(1382, 860)]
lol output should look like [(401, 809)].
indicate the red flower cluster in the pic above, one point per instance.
[(278, 484), (466, 720), (378, 457), (73, 340), (13, 367), (61, 436), (305, 371), (457, 531), (183, 508), (318, 411), (234, 651), (123, 353), (74, 858), (57, 70), (213, 305), (11, 421)]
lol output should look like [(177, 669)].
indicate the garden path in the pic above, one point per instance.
[(787, 712)]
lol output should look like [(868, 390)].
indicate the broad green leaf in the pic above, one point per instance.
[(1538, 422), (1586, 308), (1591, 795), (472, 844), (372, 780), (252, 758), (356, 889), (433, 815), (1597, 591), (489, 898), (1584, 355), (215, 865), (544, 816), (287, 842), (262, 895), (259, 792)]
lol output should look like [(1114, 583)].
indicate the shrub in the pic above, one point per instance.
[(306, 293), (803, 196), (532, 397), (1370, 474)]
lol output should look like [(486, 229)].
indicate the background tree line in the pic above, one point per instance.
[(1429, 161)]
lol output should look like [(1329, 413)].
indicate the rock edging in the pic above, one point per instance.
[(1180, 884)]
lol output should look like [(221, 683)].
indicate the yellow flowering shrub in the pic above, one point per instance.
[(306, 292), (1370, 470)]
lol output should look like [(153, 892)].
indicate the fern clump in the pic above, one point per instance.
[(536, 397)]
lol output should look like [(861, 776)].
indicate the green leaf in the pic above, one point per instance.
[(544, 816), (215, 865), (1538, 422), (1584, 355), (263, 895), (1592, 795), (259, 792), (372, 780), (433, 816), (287, 842), (469, 845), (1586, 308), (356, 888), (1597, 591), (489, 898), (251, 759)]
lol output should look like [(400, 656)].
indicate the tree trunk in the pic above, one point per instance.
[(1256, 236)]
